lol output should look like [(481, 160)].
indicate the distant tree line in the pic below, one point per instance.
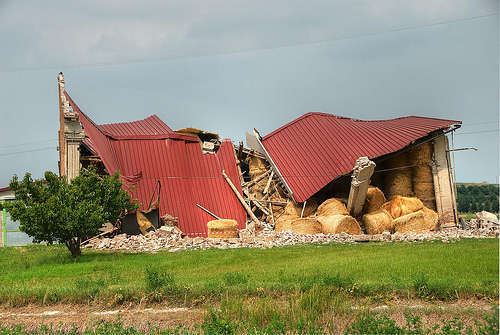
[(475, 198)]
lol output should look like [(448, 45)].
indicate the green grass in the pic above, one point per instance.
[(434, 270)]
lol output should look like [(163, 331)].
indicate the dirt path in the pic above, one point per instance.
[(143, 317)]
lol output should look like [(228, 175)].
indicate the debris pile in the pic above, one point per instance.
[(172, 239)]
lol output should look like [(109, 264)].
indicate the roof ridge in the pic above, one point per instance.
[(306, 115)]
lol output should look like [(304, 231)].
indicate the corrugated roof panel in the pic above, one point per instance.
[(188, 177), (317, 148), (151, 125)]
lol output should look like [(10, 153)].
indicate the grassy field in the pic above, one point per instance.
[(301, 289), (47, 275)]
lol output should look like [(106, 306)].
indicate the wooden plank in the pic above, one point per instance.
[(206, 210), (268, 182), (256, 180), (272, 214), (240, 198), (255, 201)]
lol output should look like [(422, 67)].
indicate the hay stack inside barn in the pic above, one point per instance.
[(423, 182), (397, 181), (224, 228)]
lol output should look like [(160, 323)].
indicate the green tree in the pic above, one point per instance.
[(54, 211)]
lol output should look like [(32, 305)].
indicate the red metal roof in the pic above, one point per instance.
[(4, 189), (317, 148), (149, 126), (187, 176)]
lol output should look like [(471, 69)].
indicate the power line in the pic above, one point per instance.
[(26, 151), (26, 143), (328, 40), (480, 132)]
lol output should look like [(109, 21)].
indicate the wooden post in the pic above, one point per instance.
[(363, 170), (240, 198)]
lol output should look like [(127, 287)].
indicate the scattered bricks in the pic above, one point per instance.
[(171, 239)]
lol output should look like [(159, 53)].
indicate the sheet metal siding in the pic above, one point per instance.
[(188, 177), (316, 148)]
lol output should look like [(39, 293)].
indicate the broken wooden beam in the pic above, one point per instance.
[(268, 182), (210, 213), (240, 198), (256, 180)]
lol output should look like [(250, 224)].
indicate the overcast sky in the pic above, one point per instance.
[(229, 66)]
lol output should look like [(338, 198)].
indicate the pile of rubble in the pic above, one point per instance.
[(172, 239)]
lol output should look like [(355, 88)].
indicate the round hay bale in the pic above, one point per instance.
[(421, 154), (400, 206), (284, 223), (224, 228), (336, 224), (411, 223), (377, 222), (431, 218), (375, 198), (295, 209), (303, 226), (332, 206), (256, 166)]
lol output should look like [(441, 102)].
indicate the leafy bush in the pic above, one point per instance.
[(54, 211)]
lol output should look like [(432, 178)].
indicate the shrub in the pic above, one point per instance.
[(54, 211)]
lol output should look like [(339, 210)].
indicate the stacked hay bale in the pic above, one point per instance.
[(338, 223), (334, 218), (332, 206), (410, 215), (375, 198), (224, 228), (377, 222), (397, 181), (375, 219), (305, 226), (288, 220), (423, 182), (400, 206)]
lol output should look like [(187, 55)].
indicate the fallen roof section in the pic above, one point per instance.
[(317, 148), (148, 151)]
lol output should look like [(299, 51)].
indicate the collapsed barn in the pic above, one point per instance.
[(290, 178)]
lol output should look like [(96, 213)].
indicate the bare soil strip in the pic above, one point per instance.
[(84, 317)]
